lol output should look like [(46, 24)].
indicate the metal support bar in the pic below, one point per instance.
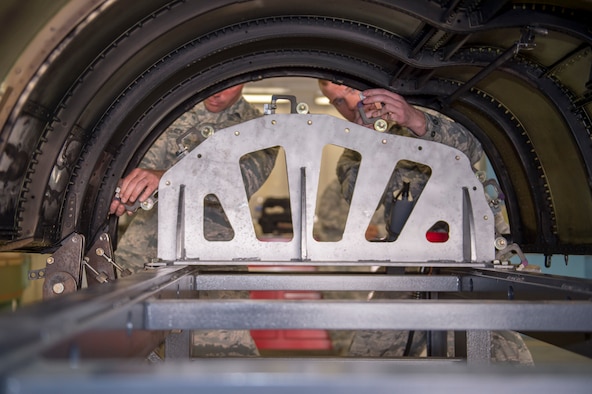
[(553, 287), (321, 282), (437, 343), (296, 375), (479, 346), (29, 332), (379, 315), (178, 345)]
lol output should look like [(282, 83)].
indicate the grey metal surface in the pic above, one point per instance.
[(29, 332), (296, 375), (163, 299), (374, 315), (326, 282), (453, 195)]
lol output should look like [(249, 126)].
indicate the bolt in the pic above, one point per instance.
[(237, 133), (58, 288), (500, 243), (100, 251), (309, 122), (207, 131), (302, 108), (50, 260), (381, 125)]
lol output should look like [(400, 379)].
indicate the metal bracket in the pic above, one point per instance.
[(295, 107), (63, 272), (101, 268)]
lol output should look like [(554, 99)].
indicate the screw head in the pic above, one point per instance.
[(207, 131), (302, 108), (58, 288), (381, 125), (500, 243)]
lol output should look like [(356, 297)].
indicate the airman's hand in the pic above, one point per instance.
[(138, 185), (394, 108)]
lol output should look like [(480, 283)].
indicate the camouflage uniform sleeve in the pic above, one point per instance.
[(163, 153), (347, 172), (447, 132), (331, 213), (256, 167)]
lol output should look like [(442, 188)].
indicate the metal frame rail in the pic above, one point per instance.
[(45, 347)]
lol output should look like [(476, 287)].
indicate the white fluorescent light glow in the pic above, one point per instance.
[(321, 100), (258, 98)]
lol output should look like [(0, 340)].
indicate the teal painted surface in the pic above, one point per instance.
[(577, 266)]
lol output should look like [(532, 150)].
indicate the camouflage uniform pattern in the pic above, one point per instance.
[(138, 244), (509, 347), (332, 213)]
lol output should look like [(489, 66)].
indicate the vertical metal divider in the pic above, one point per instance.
[(178, 344), (180, 253), (303, 230), (469, 241)]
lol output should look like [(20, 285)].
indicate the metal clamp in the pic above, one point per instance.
[(295, 107), (146, 205), (379, 124)]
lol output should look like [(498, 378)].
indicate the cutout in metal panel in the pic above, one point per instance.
[(332, 205), (271, 213), (401, 195), (217, 227)]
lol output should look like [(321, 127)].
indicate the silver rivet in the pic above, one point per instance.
[(50, 260), (302, 108), (58, 288), (237, 133), (309, 122), (380, 125), (500, 243), (384, 142), (457, 157), (207, 131), (347, 130), (273, 122), (485, 217)]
